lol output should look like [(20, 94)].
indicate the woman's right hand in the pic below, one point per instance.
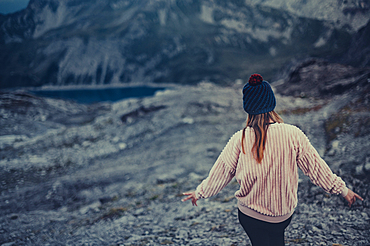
[(191, 195), (351, 197)]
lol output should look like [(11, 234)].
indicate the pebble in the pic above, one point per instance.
[(94, 207), (367, 165), (359, 170)]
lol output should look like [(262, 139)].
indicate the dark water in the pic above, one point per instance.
[(89, 96), (11, 6)]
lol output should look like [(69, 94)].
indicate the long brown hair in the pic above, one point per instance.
[(260, 123)]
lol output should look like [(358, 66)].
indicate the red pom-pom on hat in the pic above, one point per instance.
[(255, 79)]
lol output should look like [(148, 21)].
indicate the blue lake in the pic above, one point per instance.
[(89, 95), (11, 6)]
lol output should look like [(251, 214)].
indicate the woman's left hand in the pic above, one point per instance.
[(351, 197), (191, 195)]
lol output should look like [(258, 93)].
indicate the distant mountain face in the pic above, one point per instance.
[(183, 41), (353, 14)]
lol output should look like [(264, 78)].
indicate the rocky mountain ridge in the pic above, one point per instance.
[(346, 123), (124, 41)]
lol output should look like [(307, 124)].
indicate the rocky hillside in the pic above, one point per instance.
[(125, 41), (346, 123), (113, 174)]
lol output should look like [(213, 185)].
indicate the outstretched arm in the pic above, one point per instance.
[(221, 173), (351, 197)]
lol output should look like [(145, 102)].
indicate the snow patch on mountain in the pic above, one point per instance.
[(207, 14), (47, 19)]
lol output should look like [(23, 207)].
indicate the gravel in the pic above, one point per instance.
[(116, 177)]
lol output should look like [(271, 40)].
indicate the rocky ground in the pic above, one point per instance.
[(113, 174)]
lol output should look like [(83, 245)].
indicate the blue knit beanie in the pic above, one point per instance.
[(258, 97)]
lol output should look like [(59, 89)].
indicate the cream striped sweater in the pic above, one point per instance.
[(270, 188)]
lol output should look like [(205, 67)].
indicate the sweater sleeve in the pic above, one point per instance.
[(222, 171), (312, 165)]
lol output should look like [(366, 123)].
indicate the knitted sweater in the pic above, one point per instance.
[(270, 187)]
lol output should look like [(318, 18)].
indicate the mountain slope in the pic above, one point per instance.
[(104, 42)]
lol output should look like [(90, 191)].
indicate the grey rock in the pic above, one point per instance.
[(140, 211), (359, 170), (8, 244), (182, 233), (329, 79), (93, 207), (367, 165)]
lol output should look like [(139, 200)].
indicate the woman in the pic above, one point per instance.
[(264, 158)]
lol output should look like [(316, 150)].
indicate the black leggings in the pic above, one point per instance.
[(263, 233)]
